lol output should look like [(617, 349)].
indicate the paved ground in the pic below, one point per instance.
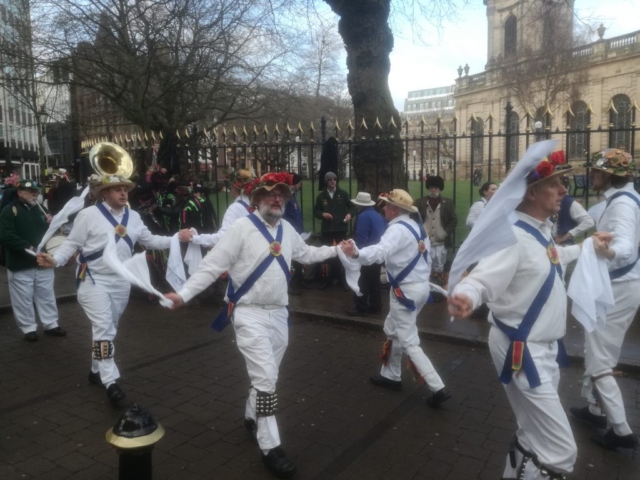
[(334, 424)]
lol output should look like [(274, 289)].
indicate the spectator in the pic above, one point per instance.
[(293, 214), (572, 220), (65, 190), (439, 220), (333, 207), (370, 226), (486, 192)]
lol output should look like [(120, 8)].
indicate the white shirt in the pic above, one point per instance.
[(234, 211), (622, 218), (397, 248), (509, 280), (89, 232), (240, 252), (475, 211), (582, 218)]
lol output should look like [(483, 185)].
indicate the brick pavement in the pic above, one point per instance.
[(334, 424)]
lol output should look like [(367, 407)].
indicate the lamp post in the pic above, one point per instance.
[(538, 129)]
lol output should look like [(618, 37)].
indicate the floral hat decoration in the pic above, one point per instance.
[(240, 179), (555, 164), (271, 180), (614, 161), (399, 198), (108, 181), (13, 180)]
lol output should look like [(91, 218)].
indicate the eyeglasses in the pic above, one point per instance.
[(275, 195)]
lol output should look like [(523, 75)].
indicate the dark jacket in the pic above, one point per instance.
[(21, 227), (370, 226), (191, 214), (338, 207), (293, 214), (448, 216)]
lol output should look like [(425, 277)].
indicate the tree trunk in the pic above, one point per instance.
[(364, 27)]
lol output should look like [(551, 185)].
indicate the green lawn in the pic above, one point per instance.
[(417, 190)]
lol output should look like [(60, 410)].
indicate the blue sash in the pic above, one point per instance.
[(622, 271), (114, 222), (275, 253), (395, 282), (83, 268), (518, 355)]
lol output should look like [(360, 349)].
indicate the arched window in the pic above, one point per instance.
[(477, 140), (577, 147), (510, 36), (620, 119), (514, 140)]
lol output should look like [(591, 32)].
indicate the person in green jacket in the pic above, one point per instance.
[(334, 208), (23, 223)]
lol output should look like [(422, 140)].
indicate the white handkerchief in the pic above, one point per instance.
[(135, 270), (175, 268), (352, 271), (74, 205), (590, 288)]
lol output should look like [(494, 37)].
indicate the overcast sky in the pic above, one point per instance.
[(415, 66)]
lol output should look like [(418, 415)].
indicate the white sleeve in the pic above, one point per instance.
[(74, 241), (233, 213), (582, 218), (474, 213), (378, 253), (153, 242), (623, 227), (305, 254)]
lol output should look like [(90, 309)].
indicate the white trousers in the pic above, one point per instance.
[(400, 328), (544, 429), (27, 287), (262, 336), (104, 299), (602, 352), (438, 258)]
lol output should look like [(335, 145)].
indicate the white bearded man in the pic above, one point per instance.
[(612, 173), (523, 286), (101, 293), (403, 249), (257, 251)]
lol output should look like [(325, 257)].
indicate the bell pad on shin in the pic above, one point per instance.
[(102, 349), (266, 403)]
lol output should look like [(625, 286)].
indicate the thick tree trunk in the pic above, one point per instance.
[(364, 27)]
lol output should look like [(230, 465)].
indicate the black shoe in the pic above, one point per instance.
[(611, 441), (584, 415), (252, 428), (295, 290), (277, 462), (56, 332), (115, 393), (31, 337), (356, 313), (94, 377), (380, 381), (305, 285), (438, 397)]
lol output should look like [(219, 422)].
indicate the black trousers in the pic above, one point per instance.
[(370, 301)]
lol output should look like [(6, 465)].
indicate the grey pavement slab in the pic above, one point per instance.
[(334, 423)]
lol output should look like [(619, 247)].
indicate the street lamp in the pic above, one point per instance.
[(538, 128)]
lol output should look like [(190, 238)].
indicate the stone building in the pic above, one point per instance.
[(540, 79)]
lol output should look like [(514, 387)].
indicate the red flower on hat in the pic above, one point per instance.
[(544, 169), (557, 158)]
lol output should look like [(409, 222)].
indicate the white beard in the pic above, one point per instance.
[(270, 215)]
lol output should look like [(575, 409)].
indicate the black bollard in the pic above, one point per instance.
[(133, 437)]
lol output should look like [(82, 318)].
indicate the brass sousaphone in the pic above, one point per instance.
[(105, 159)]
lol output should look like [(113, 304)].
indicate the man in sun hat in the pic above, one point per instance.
[(101, 293), (369, 228), (403, 248), (522, 283), (22, 225), (612, 172), (257, 251)]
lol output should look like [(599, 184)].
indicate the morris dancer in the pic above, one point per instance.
[(523, 286), (257, 251), (102, 294), (403, 248), (612, 174)]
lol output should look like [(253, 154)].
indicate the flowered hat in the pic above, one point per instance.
[(614, 161), (268, 182), (555, 164), (239, 178), (108, 181), (399, 198), (13, 180), (28, 184)]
